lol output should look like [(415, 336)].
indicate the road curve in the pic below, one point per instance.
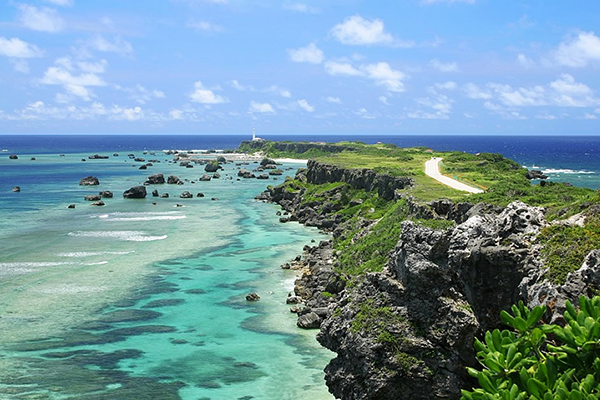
[(432, 169)]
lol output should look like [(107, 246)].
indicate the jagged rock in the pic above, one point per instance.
[(212, 166), (89, 181), (535, 174), (252, 297), (155, 193), (216, 175), (136, 192), (156, 179), (263, 176), (173, 180), (186, 195), (92, 197), (276, 172), (293, 300), (205, 178), (309, 321), (106, 194), (244, 173), (98, 203)]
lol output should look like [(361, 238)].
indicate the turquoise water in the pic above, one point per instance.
[(144, 298)]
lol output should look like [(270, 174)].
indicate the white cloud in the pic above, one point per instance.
[(277, 90), (384, 100), (16, 48), (336, 68), (305, 106), (590, 116), (381, 73), (176, 114), (356, 30), (301, 8), (20, 65), (364, 113), (59, 75), (473, 91), (75, 80), (449, 85), (335, 100), (444, 67), (205, 96), (117, 45), (580, 51), (525, 61), (205, 26), (260, 108), (310, 54), (140, 94), (385, 76), (40, 19), (62, 3), (126, 114)]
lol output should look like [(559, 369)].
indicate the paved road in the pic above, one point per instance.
[(432, 169)]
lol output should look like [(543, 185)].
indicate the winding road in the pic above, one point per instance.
[(432, 169)]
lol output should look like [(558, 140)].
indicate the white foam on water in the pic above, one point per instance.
[(97, 263), (71, 289), (78, 254), (31, 264), (129, 236), (289, 284), (565, 171), (141, 216)]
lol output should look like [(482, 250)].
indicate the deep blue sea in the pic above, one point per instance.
[(145, 298)]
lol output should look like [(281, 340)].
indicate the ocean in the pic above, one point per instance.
[(143, 299)]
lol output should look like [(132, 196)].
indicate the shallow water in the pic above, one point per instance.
[(137, 300)]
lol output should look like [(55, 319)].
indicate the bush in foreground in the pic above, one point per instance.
[(541, 361)]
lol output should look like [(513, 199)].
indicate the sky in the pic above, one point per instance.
[(315, 66)]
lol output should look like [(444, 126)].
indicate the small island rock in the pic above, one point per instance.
[(252, 297), (136, 192), (89, 181)]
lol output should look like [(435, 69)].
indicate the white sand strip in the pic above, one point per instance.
[(432, 169), (290, 160)]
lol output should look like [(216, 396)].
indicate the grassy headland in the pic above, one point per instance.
[(365, 249)]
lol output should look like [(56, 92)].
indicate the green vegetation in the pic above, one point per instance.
[(377, 321), (540, 361), (566, 246)]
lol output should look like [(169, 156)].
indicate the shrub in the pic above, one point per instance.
[(541, 361)]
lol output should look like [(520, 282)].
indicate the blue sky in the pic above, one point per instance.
[(326, 66)]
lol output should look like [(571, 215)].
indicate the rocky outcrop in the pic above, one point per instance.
[(535, 174), (174, 180), (369, 180), (89, 181), (212, 166), (136, 192), (156, 179)]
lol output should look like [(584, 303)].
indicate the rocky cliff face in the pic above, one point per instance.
[(408, 332)]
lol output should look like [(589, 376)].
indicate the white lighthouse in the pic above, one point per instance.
[(254, 137)]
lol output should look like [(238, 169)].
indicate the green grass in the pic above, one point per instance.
[(565, 247)]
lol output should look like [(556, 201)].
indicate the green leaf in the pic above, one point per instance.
[(535, 315), (486, 383), (536, 387)]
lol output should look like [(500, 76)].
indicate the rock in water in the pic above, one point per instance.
[(212, 166), (252, 297), (106, 194), (89, 181), (186, 195), (13, 157), (173, 180), (16, 189), (136, 192), (156, 179)]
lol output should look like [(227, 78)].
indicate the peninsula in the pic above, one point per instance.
[(417, 269)]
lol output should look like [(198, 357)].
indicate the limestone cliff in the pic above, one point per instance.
[(407, 332)]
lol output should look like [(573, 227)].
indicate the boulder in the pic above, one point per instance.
[(252, 297), (156, 179), (263, 176), (221, 160), (205, 178), (143, 167), (98, 203), (186, 195), (13, 157), (164, 196), (216, 175), (71, 206), (200, 195), (106, 194), (89, 181), (309, 320), (16, 189), (535, 174), (97, 157), (173, 180), (212, 166), (136, 192), (92, 197), (275, 172)]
